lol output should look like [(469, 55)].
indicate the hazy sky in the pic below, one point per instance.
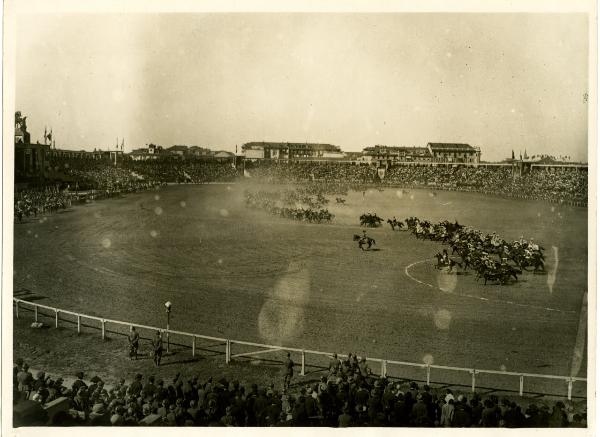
[(497, 81)]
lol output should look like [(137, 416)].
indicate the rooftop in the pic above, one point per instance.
[(451, 147), (293, 146)]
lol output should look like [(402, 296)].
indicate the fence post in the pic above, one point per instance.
[(428, 374), (473, 380), (570, 388), (383, 368), (302, 370), (193, 346), (103, 330), (55, 318), (35, 312), (521, 385), (227, 351), (17, 308), (78, 323)]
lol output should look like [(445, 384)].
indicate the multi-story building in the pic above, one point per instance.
[(454, 153), (384, 156), (290, 151)]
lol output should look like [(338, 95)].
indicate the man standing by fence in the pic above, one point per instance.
[(288, 372), (134, 343), (157, 346)]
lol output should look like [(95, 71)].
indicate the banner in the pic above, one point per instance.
[(381, 172)]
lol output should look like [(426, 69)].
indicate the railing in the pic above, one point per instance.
[(266, 348)]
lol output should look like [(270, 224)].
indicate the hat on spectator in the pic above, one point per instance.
[(79, 375), (449, 397), (95, 379)]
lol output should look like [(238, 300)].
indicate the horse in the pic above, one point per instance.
[(368, 241), (489, 275), (511, 271), (450, 264), (536, 261), (394, 223), (501, 273), (370, 220)]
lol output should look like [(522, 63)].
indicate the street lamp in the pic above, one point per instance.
[(168, 309)]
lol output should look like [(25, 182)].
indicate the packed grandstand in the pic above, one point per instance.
[(104, 178)]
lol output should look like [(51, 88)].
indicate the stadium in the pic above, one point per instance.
[(192, 232)]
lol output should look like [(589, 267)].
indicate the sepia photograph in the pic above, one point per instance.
[(299, 218)]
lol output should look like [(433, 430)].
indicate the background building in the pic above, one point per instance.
[(454, 153), (299, 151), (31, 160)]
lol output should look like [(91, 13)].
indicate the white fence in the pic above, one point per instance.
[(383, 364)]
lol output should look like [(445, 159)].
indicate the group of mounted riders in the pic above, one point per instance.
[(493, 258), (370, 220), (272, 203)]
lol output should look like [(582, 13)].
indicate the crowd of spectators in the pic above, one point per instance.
[(349, 396), (180, 171), (559, 185), (102, 175), (567, 185), (39, 201), (281, 172), (108, 178)]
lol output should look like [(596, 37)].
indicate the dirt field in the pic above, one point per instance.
[(241, 274)]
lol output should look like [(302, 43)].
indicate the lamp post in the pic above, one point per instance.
[(168, 309)]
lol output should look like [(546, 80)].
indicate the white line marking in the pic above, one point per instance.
[(506, 302)]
